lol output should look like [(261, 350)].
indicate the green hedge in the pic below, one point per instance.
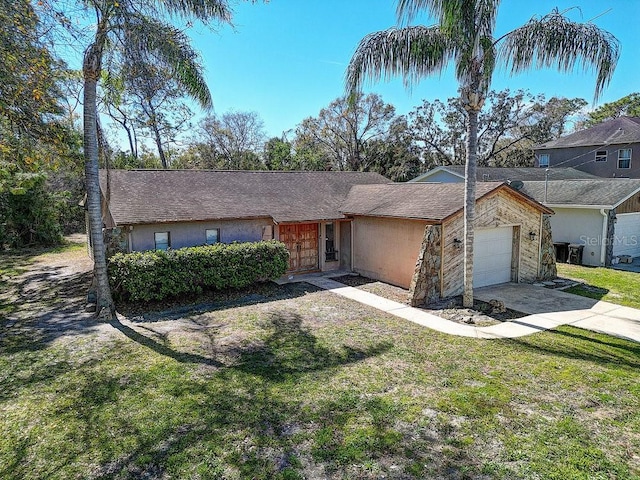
[(155, 275)]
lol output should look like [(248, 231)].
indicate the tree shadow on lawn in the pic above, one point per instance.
[(578, 344), (246, 421), (41, 306), (263, 430)]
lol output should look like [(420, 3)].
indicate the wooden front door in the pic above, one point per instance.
[(302, 242)]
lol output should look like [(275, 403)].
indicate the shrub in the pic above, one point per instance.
[(155, 275)]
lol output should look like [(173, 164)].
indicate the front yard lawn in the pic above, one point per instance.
[(615, 286), (306, 384)]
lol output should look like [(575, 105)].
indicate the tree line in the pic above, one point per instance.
[(365, 134)]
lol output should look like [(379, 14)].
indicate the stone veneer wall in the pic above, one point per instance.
[(115, 241), (425, 283), (548, 269)]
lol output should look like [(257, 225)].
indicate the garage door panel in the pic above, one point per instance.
[(492, 256), (627, 235)]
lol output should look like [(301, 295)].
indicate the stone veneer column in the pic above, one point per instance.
[(548, 269), (115, 240), (425, 284)]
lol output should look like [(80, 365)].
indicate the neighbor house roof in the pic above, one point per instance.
[(621, 130), (424, 201), (503, 174), (159, 196), (600, 193)]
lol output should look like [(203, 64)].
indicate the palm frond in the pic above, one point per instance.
[(556, 41), (470, 19), (169, 48), (201, 9), (410, 52)]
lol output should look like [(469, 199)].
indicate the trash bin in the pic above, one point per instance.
[(575, 254), (562, 251)]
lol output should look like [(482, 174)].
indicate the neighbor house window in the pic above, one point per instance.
[(543, 160), (601, 156), (212, 235), (624, 158), (162, 240), (330, 245)]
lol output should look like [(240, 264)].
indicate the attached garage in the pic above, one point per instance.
[(492, 256), (626, 239), (411, 235)]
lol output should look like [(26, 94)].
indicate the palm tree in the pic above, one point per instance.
[(464, 34), (134, 30)]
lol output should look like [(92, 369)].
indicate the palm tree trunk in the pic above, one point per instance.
[(470, 204), (91, 72)]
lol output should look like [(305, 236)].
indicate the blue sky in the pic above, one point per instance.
[(286, 59)]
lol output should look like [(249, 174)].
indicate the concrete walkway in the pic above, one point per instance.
[(547, 309)]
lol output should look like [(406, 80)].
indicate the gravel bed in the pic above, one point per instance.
[(482, 314)]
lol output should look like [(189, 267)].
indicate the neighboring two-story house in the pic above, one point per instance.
[(609, 149)]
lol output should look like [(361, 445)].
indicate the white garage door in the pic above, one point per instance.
[(627, 235), (492, 256)]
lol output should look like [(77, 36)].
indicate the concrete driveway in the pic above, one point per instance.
[(548, 308)]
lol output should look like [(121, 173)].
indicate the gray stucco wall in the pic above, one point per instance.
[(582, 226), (583, 158), (191, 234)]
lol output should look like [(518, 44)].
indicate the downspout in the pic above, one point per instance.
[(130, 234), (352, 227), (539, 246), (605, 239)]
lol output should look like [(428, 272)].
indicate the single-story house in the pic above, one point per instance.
[(355, 221), (159, 209), (394, 224), (601, 214), (455, 174)]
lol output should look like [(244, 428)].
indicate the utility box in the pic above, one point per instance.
[(575, 254)]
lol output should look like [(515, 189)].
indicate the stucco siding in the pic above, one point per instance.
[(583, 158), (498, 210), (191, 234), (581, 226), (387, 249)]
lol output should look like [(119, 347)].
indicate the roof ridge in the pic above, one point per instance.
[(212, 170)]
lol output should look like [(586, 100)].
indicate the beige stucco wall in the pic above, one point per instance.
[(498, 210), (386, 248), (583, 226)]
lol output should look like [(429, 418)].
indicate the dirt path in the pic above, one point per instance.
[(42, 295)]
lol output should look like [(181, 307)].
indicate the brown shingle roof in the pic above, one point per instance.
[(158, 196), (425, 201), (621, 130), (502, 174)]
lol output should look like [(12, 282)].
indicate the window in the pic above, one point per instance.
[(162, 240), (601, 156), (543, 160), (212, 235), (331, 255), (624, 158)]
